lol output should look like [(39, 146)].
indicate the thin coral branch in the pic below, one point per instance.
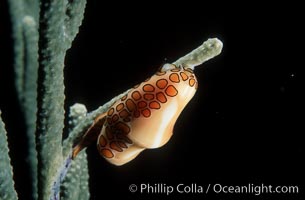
[(30, 94), (72, 179), (84, 192), (75, 183), (7, 190), (25, 18), (59, 25), (50, 95), (209, 49), (16, 11)]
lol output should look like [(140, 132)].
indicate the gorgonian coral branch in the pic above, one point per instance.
[(7, 190), (209, 49), (25, 22)]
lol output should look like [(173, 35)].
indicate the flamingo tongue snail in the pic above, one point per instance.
[(144, 118)]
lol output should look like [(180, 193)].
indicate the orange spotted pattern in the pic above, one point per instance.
[(141, 101)]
